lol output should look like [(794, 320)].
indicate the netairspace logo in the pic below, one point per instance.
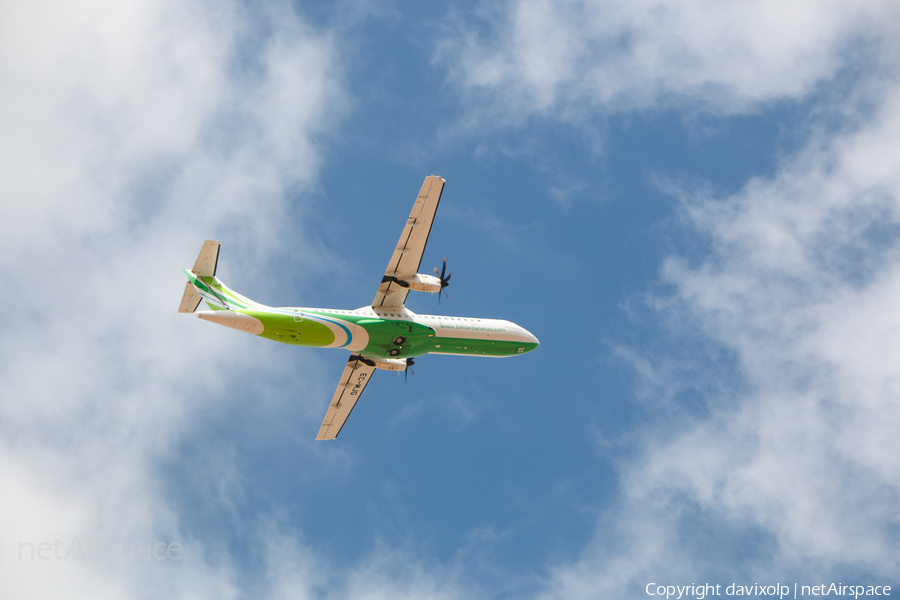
[(100, 550), (780, 590)]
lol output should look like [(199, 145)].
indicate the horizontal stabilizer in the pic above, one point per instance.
[(232, 319), (190, 300), (207, 260)]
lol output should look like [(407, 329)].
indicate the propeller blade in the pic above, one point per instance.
[(445, 281), (409, 362)]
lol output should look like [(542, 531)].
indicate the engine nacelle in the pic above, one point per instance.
[(424, 283), (386, 364)]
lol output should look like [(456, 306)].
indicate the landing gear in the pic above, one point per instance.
[(394, 351), (399, 340)]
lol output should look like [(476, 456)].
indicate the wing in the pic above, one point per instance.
[(408, 254), (353, 381)]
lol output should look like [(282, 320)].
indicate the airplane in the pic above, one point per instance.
[(385, 335)]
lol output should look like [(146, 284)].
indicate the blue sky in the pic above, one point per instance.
[(693, 205)]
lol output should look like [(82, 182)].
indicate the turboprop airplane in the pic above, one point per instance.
[(385, 335)]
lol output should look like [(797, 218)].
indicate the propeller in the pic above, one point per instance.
[(445, 281), (409, 362)]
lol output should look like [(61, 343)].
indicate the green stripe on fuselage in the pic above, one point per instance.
[(215, 289), (475, 347)]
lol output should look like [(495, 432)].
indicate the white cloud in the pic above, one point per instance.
[(796, 454), (800, 287), (570, 60), (133, 131)]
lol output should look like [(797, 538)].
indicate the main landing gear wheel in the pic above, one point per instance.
[(400, 339), (394, 352)]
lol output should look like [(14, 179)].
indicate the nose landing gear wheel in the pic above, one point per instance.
[(394, 352), (399, 340)]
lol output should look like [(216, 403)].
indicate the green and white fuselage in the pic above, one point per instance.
[(385, 335), (369, 331)]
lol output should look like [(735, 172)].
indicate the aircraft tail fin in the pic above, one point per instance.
[(204, 285), (207, 260)]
